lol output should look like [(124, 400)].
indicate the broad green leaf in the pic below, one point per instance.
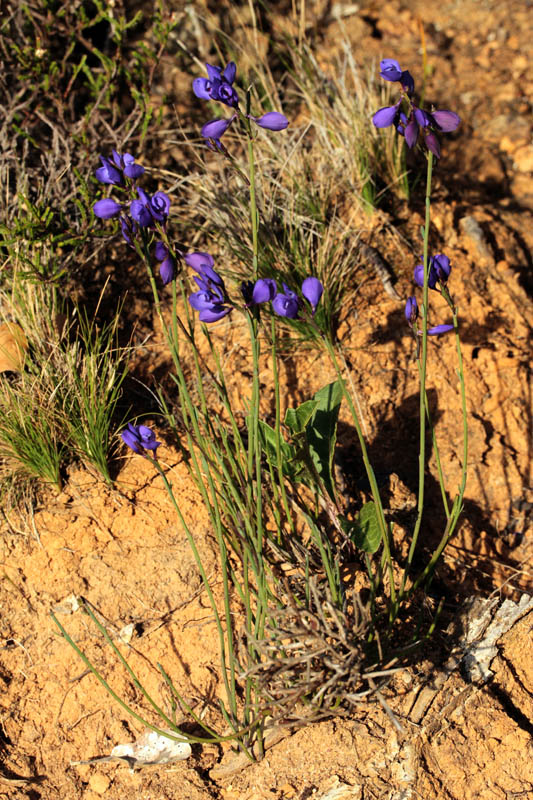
[(297, 418), (321, 431), (364, 531), (291, 466)]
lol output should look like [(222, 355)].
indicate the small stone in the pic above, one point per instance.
[(99, 783), (476, 242)]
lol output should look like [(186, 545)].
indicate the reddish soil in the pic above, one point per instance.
[(124, 551)]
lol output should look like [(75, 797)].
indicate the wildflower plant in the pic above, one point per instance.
[(307, 645)]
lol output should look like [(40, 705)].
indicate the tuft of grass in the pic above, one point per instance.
[(30, 443), (62, 405), (95, 368)]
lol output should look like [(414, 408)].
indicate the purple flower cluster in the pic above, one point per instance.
[(219, 86), (211, 298), (212, 302), (439, 272), (286, 303), (142, 211), (139, 438), (407, 118), (146, 211)]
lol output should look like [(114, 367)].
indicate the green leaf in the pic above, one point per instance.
[(292, 466), (297, 418), (364, 531), (321, 431), (267, 435)]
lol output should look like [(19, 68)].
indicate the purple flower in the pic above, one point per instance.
[(386, 116), (272, 120), (407, 81), (140, 209), (286, 303), (160, 251), (264, 290), (216, 128), (410, 132), (208, 277), (160, 206), (438, 329), (409, 120), (390, 69), (433, 144), (210, 304), (129, 228), (147, 209), (107, 208), (445, 121), (419, 275), (312, 290), (203, 263), (131, 169), (439, 270), (218, 85), (108, 173), (112, 172), (441, 264), (167, 267), (167, 270), (285, 306), (411, 310), (211, 297), (199, 260), (139, 437)]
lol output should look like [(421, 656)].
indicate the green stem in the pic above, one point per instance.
[(458, 502), (279, 457), (253, 207), (180, 735), (422, 400)]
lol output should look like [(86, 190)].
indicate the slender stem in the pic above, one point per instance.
[(458, 502), (422, 368), (460, 371), (253, 207), (179, 735), (279, 457)]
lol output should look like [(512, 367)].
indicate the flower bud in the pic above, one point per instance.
[(273, 121), (264, 290), (411, 310), (107, 208), (312, 290)]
